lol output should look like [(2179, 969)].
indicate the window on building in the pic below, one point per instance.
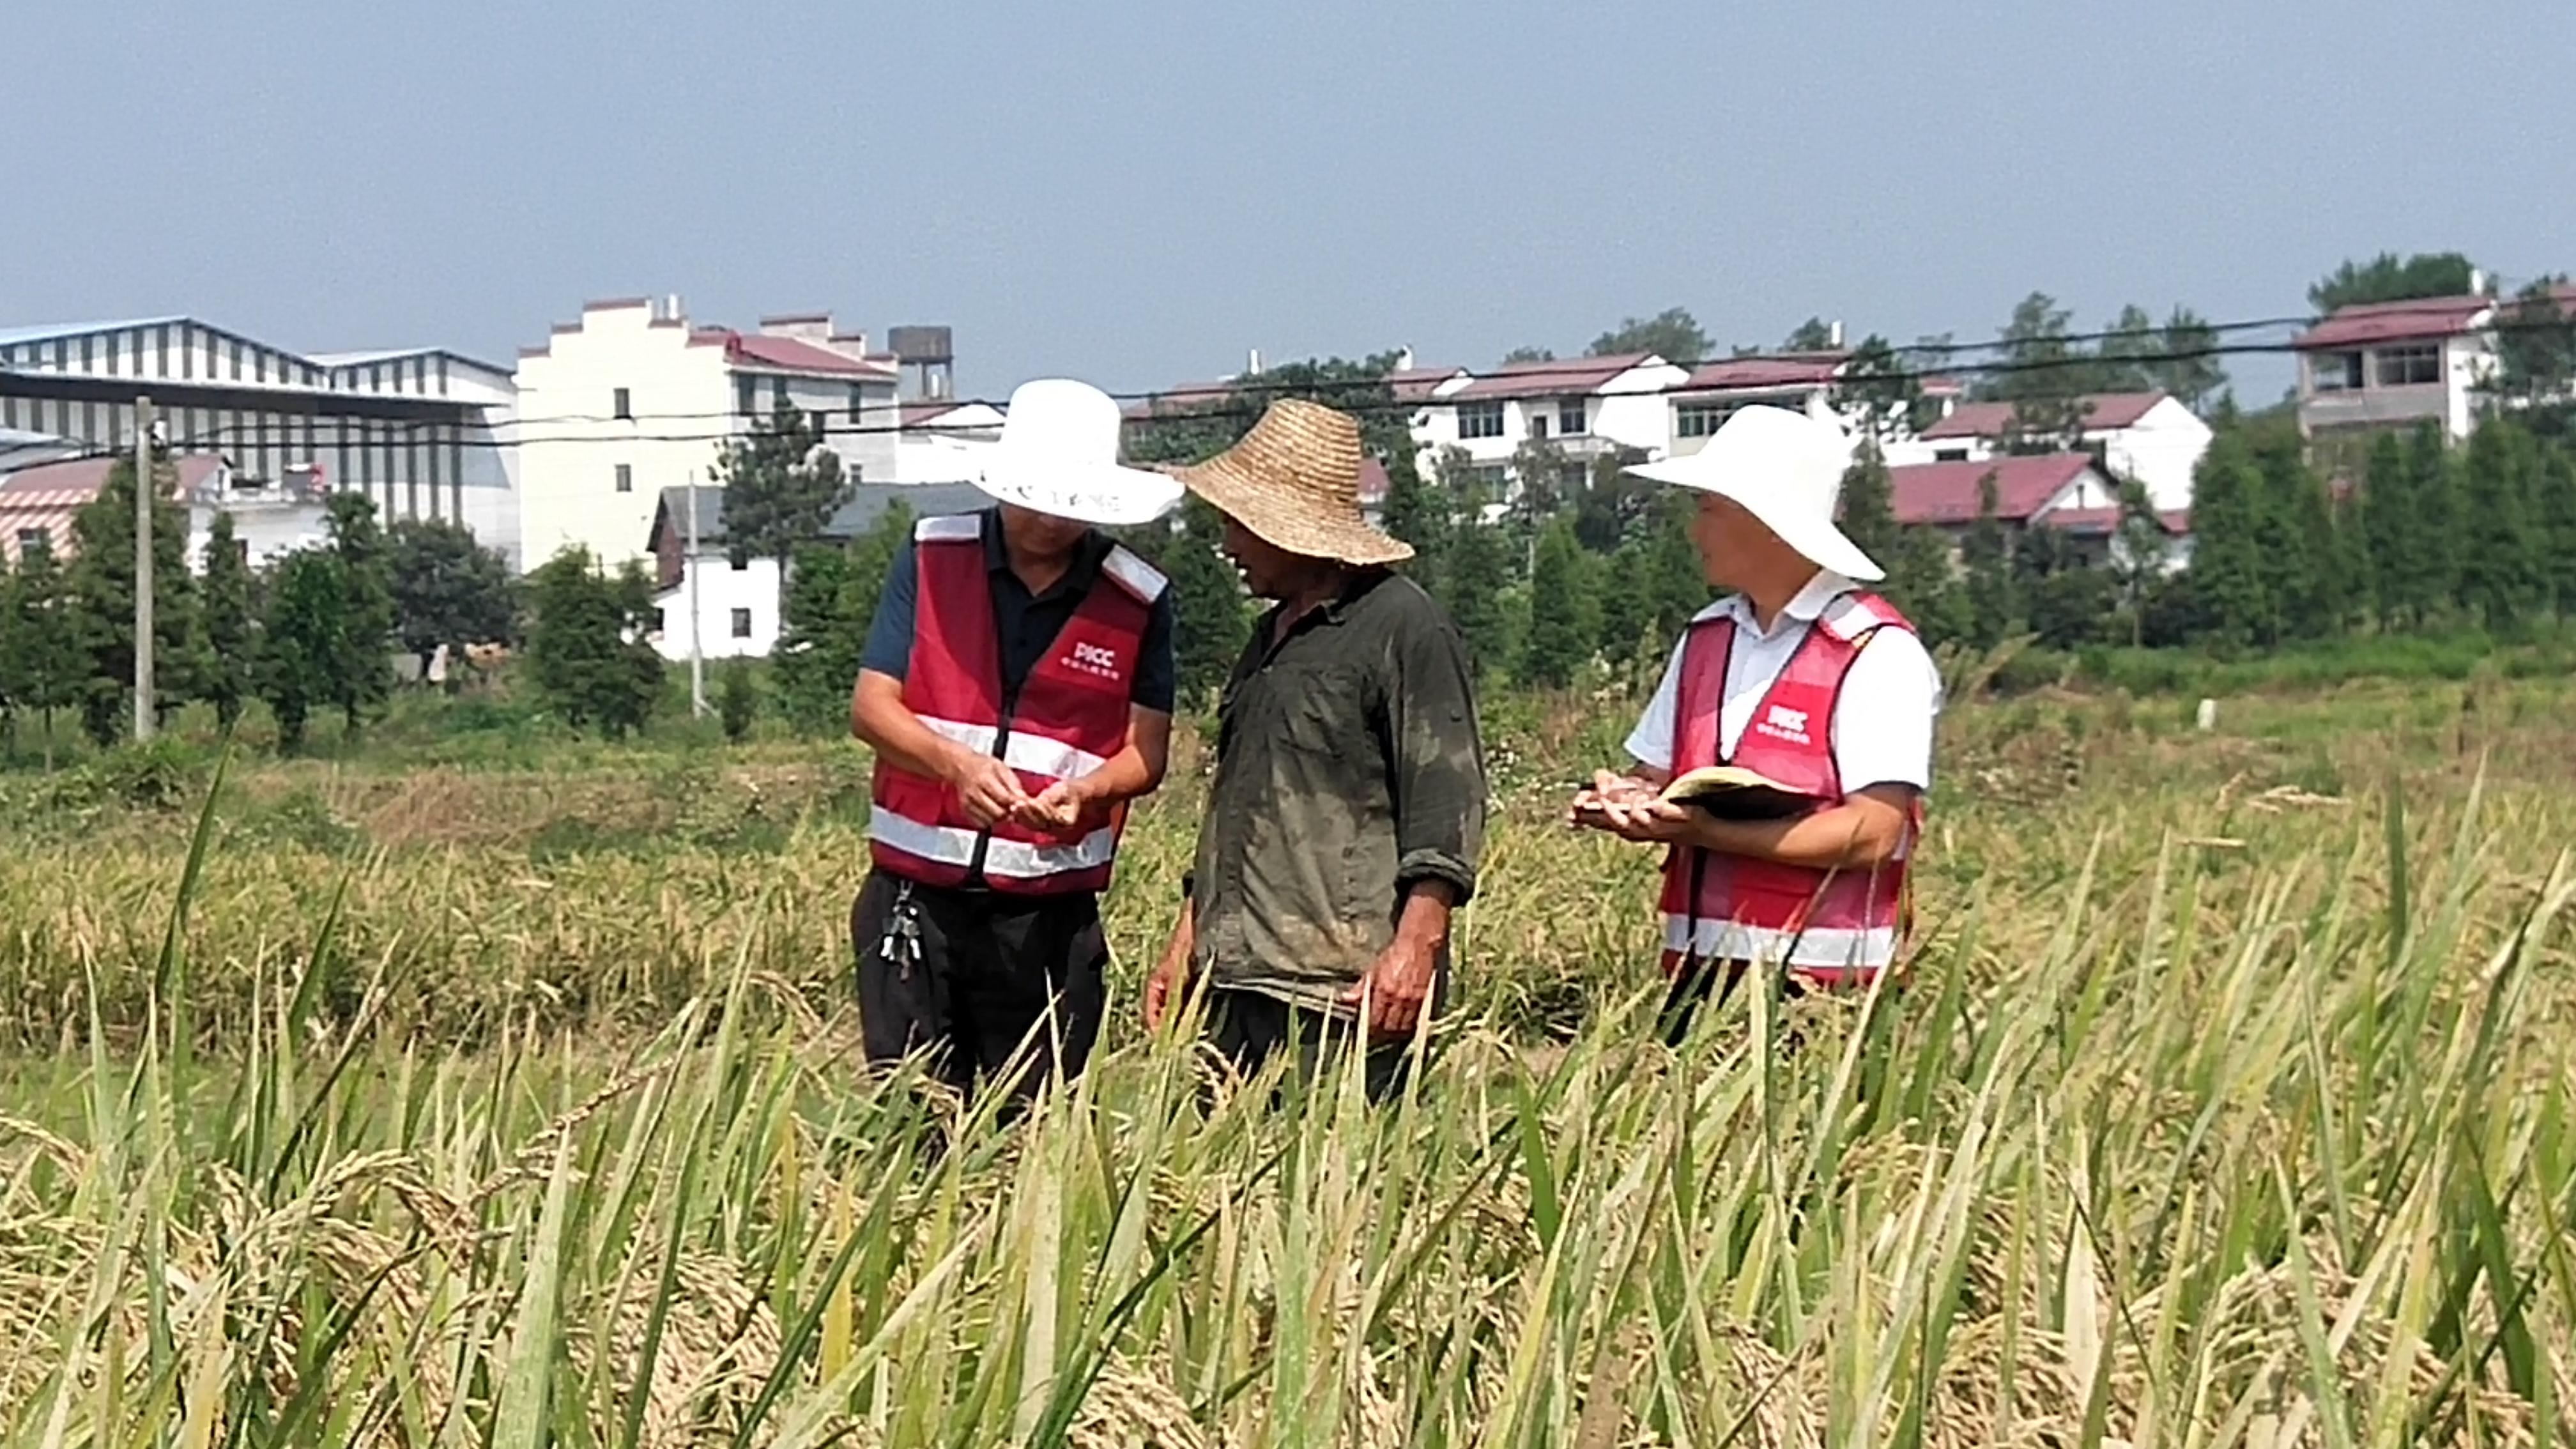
[(623, 403), (746, 399), (241, 552), (1480, 420), (858, 401), (1698, 420), (778, 392), (1538, 425), (37, 540), (625, 477), (1950, 455), (742, 623), (1569, 417), (2335, 371), (1493, 478), (738, 565), (2411, 366)]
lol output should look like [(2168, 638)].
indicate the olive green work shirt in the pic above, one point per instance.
[(1349, 767)]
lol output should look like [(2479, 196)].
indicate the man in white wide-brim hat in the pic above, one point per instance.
[(1347, 811), (1017, 690), (1804, 677)]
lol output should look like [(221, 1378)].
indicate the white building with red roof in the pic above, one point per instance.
[(2067, 492), (2148, 436), (2383, 365), (1585, 406), (632, 398)]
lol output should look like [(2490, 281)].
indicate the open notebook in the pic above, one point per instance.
[(1731, 792)]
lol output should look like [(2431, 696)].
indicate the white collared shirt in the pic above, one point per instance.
[(1882, 726)]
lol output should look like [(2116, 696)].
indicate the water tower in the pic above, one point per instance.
[(927, 358)]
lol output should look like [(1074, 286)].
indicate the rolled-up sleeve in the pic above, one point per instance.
[(1435, 757)]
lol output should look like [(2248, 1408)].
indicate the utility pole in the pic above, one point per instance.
[(697, 619), (143, 712)]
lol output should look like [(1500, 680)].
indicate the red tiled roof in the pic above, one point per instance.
[(914, 414), (1417, 384), (1991, 419), (1372, 480), (1564, 377), (50, 495), (1805, 370), (786, 354), (1947, 492), (2424, 318)]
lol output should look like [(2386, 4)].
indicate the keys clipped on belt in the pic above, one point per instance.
[(901, 943)]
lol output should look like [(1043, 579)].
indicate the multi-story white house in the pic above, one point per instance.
[(632, 398), (739, 613), (424, 432), (2148, 436), (1583, 406), (2384, 365), (1703, 401)]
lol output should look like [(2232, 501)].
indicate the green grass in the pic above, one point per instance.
[(2222, 1108)]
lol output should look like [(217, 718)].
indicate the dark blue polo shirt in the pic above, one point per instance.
[(1028, 622)]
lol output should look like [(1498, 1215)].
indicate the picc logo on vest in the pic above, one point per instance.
[(1783, 723), (1098, 661)]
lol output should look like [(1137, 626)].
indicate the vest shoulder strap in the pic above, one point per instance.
[(1855, 616), (948, 528), (1134, 574)]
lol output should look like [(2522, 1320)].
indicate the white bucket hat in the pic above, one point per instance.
[(1058, 454), (1786, 469)]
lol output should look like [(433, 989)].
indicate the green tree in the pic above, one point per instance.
[(781, 485), (2558, 524), (2309, 589), (829, 601), (1869, 505), (2229, 575), (1563, 633), (1813, 335), (2188, 366), (303, 641), (2140, 551), (586, 645), (1672, 334), (1411, 514), (1477, 572), (2504, 578), (737, 700), (2535, 376), (1988, 564), (2387, 278), (449, 591), (2127, 351), (1884, 388), (362, 676), (100, 581), (2439, 522), (231, 593), (1519, 355), (2388, 521), (1925, 584), (2036, 358), (42, 666)]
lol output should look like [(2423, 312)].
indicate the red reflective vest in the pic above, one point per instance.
[(1836, 928), (1070, 717)]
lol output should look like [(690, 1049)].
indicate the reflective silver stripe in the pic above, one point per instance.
[(930, 842), (1008, 859), (1141, 578), (949, 526), (1828, 946), (1035, 754)]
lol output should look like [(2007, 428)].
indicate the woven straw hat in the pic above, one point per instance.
[(1294, 480)]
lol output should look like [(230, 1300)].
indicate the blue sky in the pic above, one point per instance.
[(1136, 194)]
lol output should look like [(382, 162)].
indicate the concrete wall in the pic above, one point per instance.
[(722, 589)]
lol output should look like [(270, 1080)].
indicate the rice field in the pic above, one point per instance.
[(2228, 1104)]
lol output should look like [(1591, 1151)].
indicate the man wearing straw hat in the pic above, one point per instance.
[(1347, 811), (1803, 677), (1017, 689)]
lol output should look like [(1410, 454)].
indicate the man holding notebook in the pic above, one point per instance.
[(1799, 684)]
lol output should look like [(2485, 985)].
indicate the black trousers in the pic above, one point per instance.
[(1250, 1027), (999, 987)]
